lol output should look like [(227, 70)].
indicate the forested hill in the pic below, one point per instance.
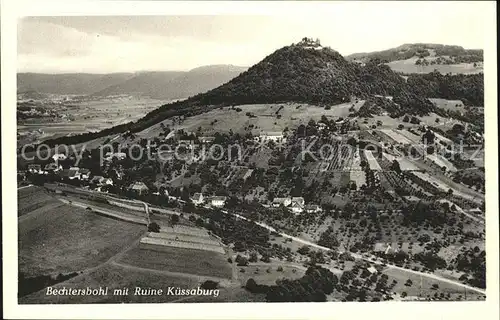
[(309, 73), (304, 74)]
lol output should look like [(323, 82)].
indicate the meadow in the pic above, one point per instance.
[(178, 260), (67, 239)]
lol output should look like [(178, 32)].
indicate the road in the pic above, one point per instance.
[(358, 256), (117, 215)]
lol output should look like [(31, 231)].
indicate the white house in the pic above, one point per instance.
[(206, 139), (270, 136), (35, 168), (312, 208), (296, 207), (218, 201), (197, 198), (298, 200), (53, 167), (84, 174), (117, 155), (74, 173), (277, 202), (59, 157), (100, 180), (139, 187), (372, 270)]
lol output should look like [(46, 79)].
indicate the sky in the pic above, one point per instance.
[(106, 44)]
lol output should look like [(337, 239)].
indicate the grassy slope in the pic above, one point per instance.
[(67, 239)]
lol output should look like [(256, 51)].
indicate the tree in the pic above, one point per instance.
[(174, 219), (428, 137), (209, 284), (241, 261), (253, 257), (251, 285), (395, 166), (303, 250), (406, 118), (153, 227)]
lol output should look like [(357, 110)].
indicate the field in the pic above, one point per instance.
[(66, 239), (87, 116), (34, 198), (404, 163), (409, 66), (450, 105), (115, 277), (422, 287), (268, 117), (396, 136), (268, 273), (441, 162), (179, 260)]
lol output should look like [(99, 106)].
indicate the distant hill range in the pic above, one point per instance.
[(68, 83), (174, 85), (162, 85), (307, 72), (425, 58)]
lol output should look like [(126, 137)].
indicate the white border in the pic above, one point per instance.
[(381, 310)]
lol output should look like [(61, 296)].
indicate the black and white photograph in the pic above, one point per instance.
[(254, 158)]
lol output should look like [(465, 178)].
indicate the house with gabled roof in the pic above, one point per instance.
[(299, 200), (197, 198), (217, 201), (139, 187), (52, 167), (277, 202), (312, 208), (296, 207), (34, 168), (100, 181)]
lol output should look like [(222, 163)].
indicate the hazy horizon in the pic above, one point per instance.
[(131, 44)]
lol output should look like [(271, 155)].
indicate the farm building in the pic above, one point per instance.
[(59, 157), (206, 139), (52, 167), (298, 200), (118, 155), (73, 173), (270, 136), (372, 270), (164, 193), (218, 201), (197, 198), (100, 180), (139, 187), (296, 207), (84, 174), (247, 174), (277, 202), (312, 208), (21, 176), (35, 168), (411, 198)]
